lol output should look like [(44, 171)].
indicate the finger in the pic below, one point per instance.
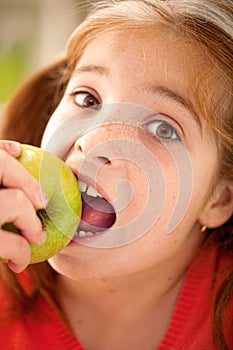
[(11, 147), (14, 175), (15, 249), (18, 210)]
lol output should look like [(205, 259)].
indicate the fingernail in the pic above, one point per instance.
[(13, 147)]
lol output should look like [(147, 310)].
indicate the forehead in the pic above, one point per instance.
[(159, 53)]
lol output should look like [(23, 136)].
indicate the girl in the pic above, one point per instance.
[(144, 94)]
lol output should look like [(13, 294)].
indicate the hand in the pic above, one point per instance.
[(20, 197)]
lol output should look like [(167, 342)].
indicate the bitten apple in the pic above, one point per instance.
[(61, 217)]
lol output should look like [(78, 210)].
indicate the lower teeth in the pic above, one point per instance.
[(85, 234)]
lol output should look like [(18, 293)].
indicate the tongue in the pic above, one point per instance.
[(97, 214)]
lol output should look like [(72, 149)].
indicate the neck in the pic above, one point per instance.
[(129, 311), (105, 294), (114, 291), (123, 305)]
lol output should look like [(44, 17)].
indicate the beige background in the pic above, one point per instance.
[(37, 30)]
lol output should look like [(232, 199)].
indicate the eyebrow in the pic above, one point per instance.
[(150, 87), (178, 98), (92, 68)]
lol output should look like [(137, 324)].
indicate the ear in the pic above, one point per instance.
[(219, 207)]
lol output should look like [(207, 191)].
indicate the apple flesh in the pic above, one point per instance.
[(61, 217)]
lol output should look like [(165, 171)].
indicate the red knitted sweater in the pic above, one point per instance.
[(190, 329)]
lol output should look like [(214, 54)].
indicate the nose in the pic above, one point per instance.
[(91, 147)]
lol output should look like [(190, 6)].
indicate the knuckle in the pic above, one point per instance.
[(14, 247), (23, 247), (3, 143), (18, 197), (3, 157)]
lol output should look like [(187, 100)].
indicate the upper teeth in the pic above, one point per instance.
[(91, 191)]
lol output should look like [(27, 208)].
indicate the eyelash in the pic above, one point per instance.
[(175, 135), (77, 94)]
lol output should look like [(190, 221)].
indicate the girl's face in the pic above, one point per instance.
[(135, 136)]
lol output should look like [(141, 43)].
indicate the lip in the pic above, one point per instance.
[(90, 182), (88, 239)]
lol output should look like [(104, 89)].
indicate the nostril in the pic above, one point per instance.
[(103, 160), (78, 147)]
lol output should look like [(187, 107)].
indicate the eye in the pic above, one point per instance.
[(163, 131), (85, 99)]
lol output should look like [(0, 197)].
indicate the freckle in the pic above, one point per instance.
[(175, 242), (80, 322), (112, 291), (169, 278), (103, 279)]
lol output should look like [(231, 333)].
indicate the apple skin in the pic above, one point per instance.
[(61, 216)]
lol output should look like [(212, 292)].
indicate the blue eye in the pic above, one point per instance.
[(85, 99), (163, 131)]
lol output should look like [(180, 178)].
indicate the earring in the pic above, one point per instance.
[(203, 228)]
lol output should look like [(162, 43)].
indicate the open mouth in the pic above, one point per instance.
[(97, 213)]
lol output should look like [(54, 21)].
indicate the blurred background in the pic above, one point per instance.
[(32, 34)]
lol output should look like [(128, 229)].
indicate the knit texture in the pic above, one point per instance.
[(190, 328)]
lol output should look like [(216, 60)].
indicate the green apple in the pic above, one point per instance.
[(61, 217)]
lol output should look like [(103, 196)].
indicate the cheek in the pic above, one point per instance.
[(53, 124), (130, 189), (59, 127), (205, 169), (154, 186), (175, 183)]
